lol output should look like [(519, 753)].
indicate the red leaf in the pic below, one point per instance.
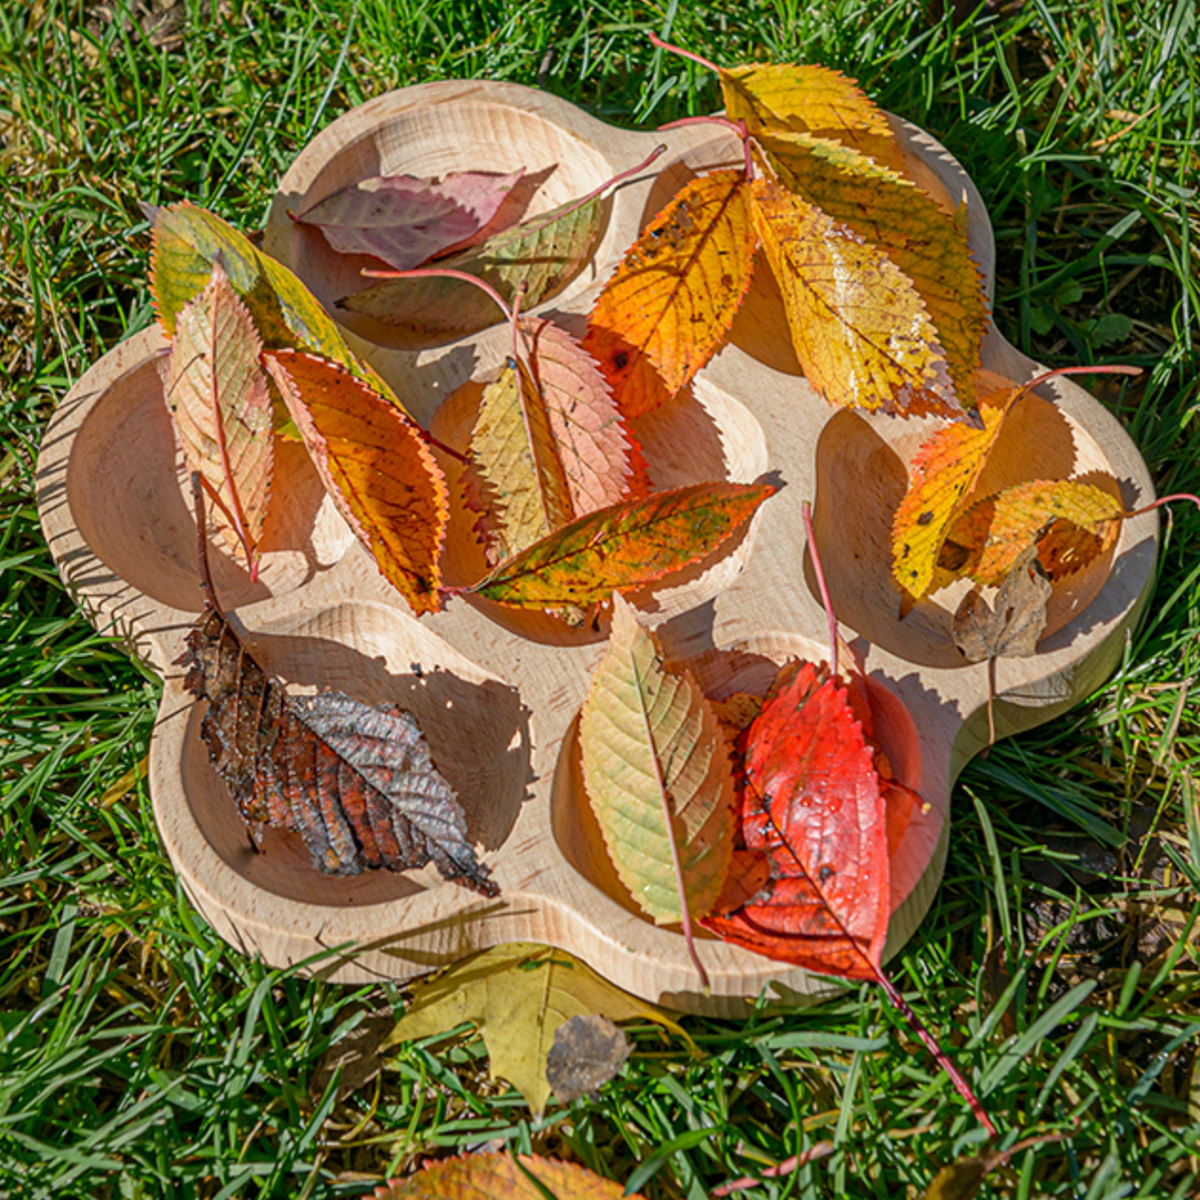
[(812, 805)]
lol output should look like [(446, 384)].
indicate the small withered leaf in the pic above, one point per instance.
[(356, 782), (1013, 627), (588, 1051)]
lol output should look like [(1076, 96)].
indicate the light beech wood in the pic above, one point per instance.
[(498, 694)]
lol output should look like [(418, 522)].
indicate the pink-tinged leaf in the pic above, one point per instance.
[(218, 395), (405, 220), (375, 464)]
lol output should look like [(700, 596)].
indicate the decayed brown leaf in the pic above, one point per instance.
[(357, 783), (588, 1051), (1013, 627)]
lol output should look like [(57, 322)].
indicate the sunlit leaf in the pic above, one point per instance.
[(859, 327), (669, 305), (376, 465), (657, 774), (503, 1177)]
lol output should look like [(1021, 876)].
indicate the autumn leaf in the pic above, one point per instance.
[(188, 240), (890, 212), (518, 995), (218, 395), (859, 327), (357, 783), (657, 775), (812, 805), (672, 300), (1075, 522), (1013, 627), (774, 98), (587, 1053), (549, 443), (375, 463), (503, 1177), (406, 220), (625, 546), (543, 253)]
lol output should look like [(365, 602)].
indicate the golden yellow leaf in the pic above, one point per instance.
[(889, 211), (517, 995), (502, 1177), (860, 328), (669, 305)]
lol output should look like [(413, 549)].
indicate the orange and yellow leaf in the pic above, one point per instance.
[(376, 465), (669, 305)]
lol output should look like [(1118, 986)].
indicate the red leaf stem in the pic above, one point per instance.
[(822, 587), (659, 44)]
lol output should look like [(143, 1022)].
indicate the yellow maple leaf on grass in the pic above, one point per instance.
[(517, 995)]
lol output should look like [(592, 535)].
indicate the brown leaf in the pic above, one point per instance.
[(356, 782), (501, 1177), (588, 1051), (1013, 627), (358, 1055)]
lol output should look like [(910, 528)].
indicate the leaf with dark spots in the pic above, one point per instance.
[(588, 1051), (357, 783)]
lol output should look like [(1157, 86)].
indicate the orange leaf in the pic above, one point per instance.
[(1072, 523), (625, 546), (772, 98), (942, 474), (889, 211), (860, 328), (669, 305), (375, 463), (502, 1177)]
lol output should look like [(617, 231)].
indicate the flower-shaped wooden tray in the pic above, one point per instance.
[(498, 696)]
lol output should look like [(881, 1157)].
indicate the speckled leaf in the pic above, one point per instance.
[(405, 220), (859, 327), (623, 547), (543, 252), (669, 305), (926, 243), (773, 98), (376, 465), (218, 395), (503, 1177), (1071, 523), (657, 774), (1013, 627)]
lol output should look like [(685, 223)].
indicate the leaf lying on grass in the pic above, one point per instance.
[(503, 1177)]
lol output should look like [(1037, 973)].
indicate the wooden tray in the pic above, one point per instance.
[(498, 695)]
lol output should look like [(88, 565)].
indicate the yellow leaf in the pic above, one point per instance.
[(1071, 523), (517, 995), (860, 328), (941, 476), (925, 242), (773, 98), (657, 773), (669, 305), (502, 1177)]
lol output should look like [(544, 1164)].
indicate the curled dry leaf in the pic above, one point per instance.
[(812, 806), (657, 774), (926, 243), (625, 546), (405, 220), (859, 327), (543, 253), (549, 444), (377, 466), (518, 995), (357, 783), (587, 1052), (672, 300), (501, 1177), (1012, 629), (1071, 523), (218, 396)]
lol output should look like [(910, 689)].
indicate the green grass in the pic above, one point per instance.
[(140, 1057)]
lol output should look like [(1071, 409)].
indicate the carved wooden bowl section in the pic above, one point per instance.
[(498, 694)]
